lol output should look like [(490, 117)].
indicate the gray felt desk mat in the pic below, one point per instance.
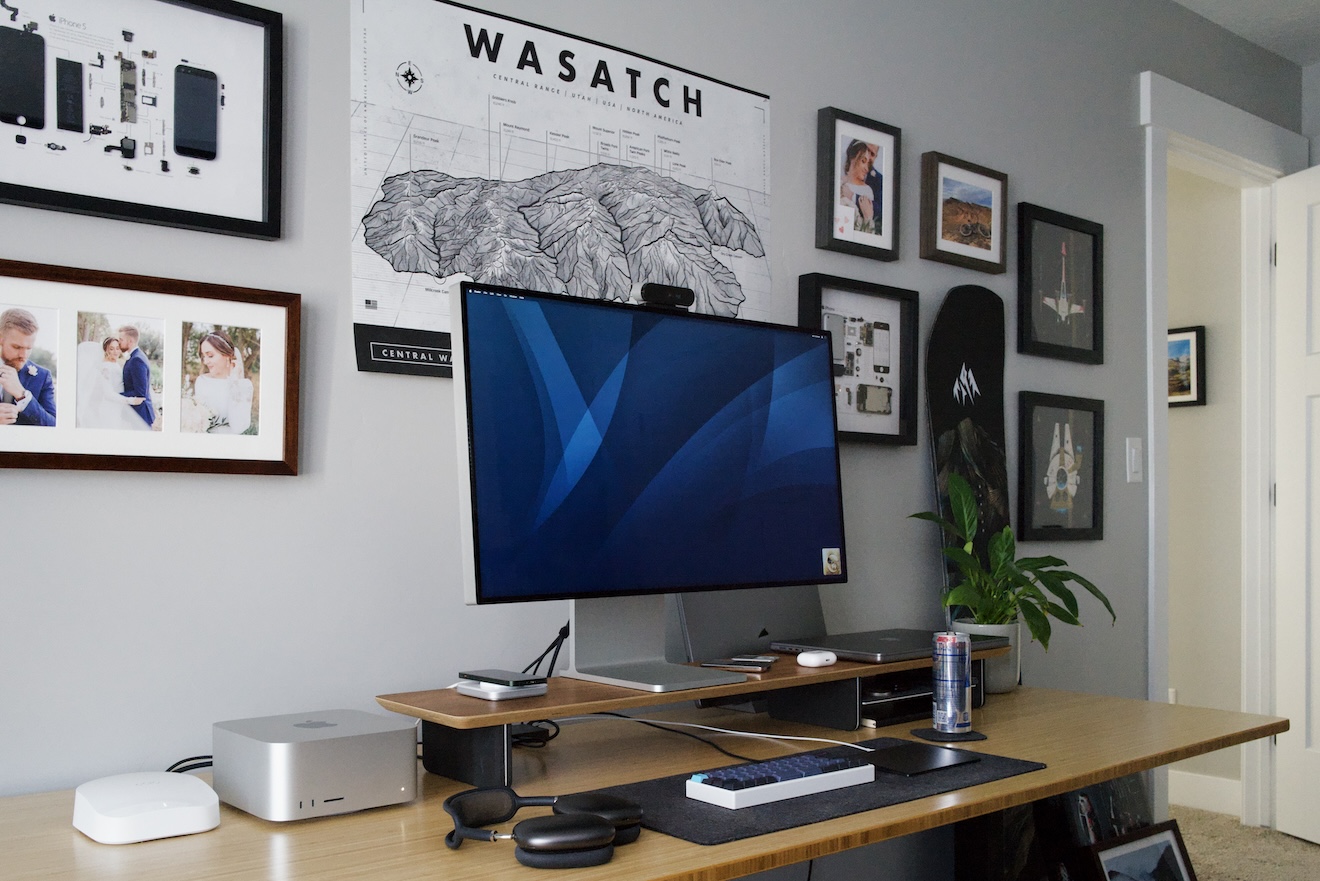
[(668, 810)]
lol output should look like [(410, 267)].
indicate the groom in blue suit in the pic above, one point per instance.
[(27, 390), (137, 374)]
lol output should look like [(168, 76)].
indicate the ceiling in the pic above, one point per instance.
[(1288, 28)]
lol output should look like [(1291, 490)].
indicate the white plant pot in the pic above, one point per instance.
[(1001, 674)]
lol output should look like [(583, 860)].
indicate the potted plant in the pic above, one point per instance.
[(1002, 591)]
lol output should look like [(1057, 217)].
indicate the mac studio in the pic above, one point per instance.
[(141, 608)]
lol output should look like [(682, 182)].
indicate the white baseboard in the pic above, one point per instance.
[(1218, 794)]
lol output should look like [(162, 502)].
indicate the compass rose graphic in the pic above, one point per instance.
[(409, 77)]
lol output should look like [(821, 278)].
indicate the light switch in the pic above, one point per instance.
[(1135, 465)]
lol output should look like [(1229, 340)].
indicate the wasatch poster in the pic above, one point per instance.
[(491, 149)]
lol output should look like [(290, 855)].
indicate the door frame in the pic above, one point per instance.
[(1189, 130)]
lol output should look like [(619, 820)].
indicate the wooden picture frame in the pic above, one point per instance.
[(159, 111), (855, 157), (1061, 468), (218, 369), (874, 330), (1060, 285), (962, 213), (1187, 386), (1154, 852)]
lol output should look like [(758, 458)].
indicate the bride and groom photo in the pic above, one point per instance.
[(119, 365)]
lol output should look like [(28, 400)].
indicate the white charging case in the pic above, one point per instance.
[(128, 808)]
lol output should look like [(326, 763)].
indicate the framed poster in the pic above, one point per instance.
[(106, 371), (962, 213), (1060, 285), (1061, 467), (873, 331), (1154, 852), (160, 111), (493, 149), (1187, 367), (857, 184)]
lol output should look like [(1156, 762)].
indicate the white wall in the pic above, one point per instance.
[(1205, 509), (137, 609)]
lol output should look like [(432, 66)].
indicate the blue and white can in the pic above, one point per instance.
[(951, 699)]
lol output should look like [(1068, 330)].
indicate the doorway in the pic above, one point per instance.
[(1204, 479), (1187, 130)]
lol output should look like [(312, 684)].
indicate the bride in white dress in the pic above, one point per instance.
[(101, 401), (222, 389)]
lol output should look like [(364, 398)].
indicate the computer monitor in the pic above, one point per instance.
[(613, 453)]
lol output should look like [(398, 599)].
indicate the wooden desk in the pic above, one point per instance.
[(1083, 739)]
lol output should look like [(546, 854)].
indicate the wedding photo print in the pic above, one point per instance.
[(28, 352), (120, 362), (857, 185), (221, 379), (159, 374)]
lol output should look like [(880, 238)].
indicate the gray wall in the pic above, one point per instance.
[(138, 609), (1311, 108)]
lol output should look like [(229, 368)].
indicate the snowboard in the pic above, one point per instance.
[(965, 404)]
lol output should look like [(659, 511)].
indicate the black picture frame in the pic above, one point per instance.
[(962, 213), (80, 308), (1137, 854), (177, 122), (1187, 387), (875, 364), (841, 222), (1060, 285), (1061, 467)]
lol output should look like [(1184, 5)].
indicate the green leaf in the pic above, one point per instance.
[(1002, 548), (962, 501), (940, 521), (964, 594), (964, 558), (1038, 624), (1093, 590), (1054, 584), (1035, 563), (1062, 614)]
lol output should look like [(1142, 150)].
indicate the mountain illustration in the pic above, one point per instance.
[(589, 232)]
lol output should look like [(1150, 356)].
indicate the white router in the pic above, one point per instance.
[(128, 808)]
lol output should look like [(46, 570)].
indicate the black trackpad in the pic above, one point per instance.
[(918, 758)]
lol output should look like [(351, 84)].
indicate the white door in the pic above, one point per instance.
[(1297, 505)]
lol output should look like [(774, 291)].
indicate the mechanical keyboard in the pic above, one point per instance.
[(758, 783)]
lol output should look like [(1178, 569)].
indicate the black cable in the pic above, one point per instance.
[(192, 763), (552, 647), (534, 735), (710, 743)]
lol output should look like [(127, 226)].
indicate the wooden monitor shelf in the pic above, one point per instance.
[(468, 739)]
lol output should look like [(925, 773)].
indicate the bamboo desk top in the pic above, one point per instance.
[(1083, 739)]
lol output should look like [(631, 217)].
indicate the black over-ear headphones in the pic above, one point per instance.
[(582, 831)]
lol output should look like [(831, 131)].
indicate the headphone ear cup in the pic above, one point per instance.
[(564, 859), (624, 815), (564, 841)]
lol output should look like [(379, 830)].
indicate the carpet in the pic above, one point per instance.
[(1222, 849)]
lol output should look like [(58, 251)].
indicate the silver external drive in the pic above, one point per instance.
[(314, 764)]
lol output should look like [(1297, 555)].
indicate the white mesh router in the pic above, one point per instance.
[(128, 808)]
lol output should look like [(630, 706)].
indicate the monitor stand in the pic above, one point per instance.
[(621, 641)]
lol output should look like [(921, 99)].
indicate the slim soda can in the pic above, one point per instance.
[(951, 701)]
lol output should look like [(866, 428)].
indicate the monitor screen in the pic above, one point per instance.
[(616, 450)]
